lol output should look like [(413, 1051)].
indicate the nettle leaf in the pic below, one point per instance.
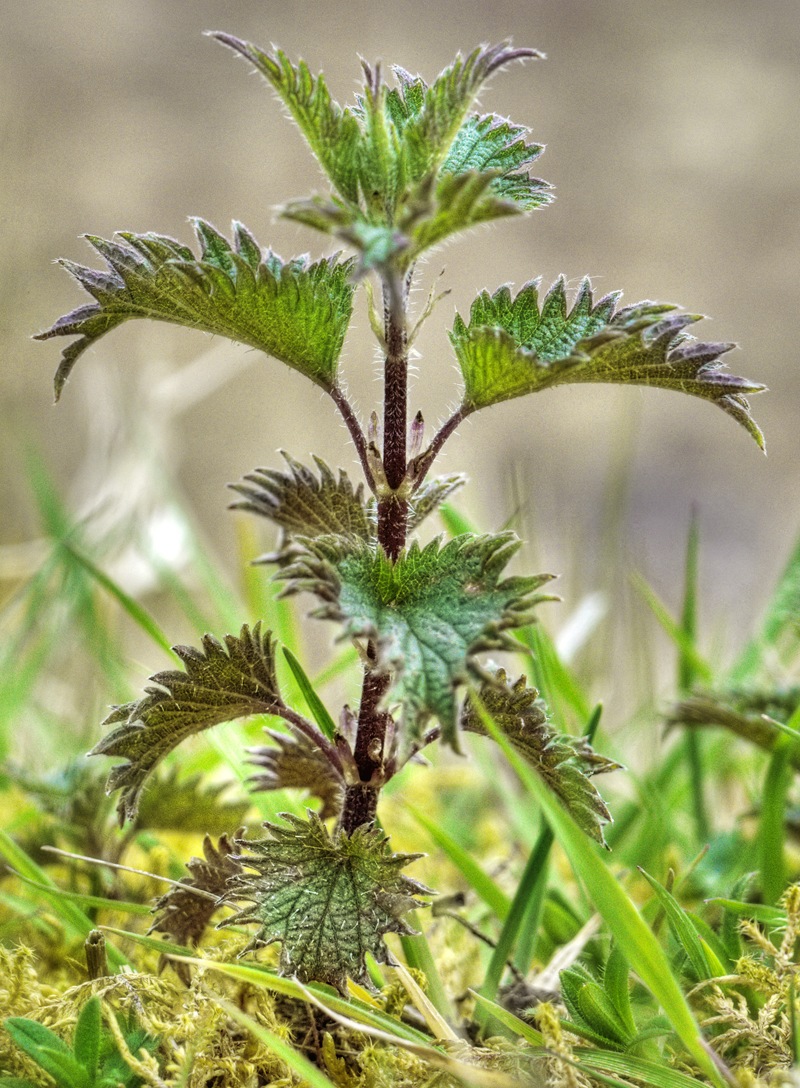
[(328, 898), (303, 504), (429, 612), (514, 346), (564, 762), (220, 683), (183, 914), (295, 763), (296, 311), (409, 165)]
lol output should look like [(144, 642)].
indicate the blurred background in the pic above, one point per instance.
[(672, 145)]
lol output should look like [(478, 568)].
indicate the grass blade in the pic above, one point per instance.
[(73, 918), (638, 944), (313, 702)]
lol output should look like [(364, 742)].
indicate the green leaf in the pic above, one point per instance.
[(295, 763), (296, 311), (590, 1006), (328, 899), (220, 683), (429, 612), (183, 914), (682, 928), (564, 762), (409, 165), (512, 347), (48, 1051), (319, 711), (86, 1040), (304, 505)]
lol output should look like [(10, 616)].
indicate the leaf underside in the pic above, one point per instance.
[(408, 165), (295, 763), (515, 346), (429, 612), (183, 914), (220, 683), (329, 899), (565, 763), (296, 311)]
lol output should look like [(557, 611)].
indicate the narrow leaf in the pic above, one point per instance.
[(682, 928), (318, 709)]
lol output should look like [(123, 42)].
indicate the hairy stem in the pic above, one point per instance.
[(393, 510), (357, 435), (421, 465), (361, 798)]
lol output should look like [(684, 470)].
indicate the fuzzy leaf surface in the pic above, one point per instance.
[(409, 165), (515, 346), (220, 683), (295, 763), (304, 504), (181, 913), (564, 762), (328, 899), (429, 612), (296, 311)]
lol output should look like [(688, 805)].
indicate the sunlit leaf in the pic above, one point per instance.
[(296, 311), (515, 346)]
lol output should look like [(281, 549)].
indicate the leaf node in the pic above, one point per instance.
[(429, 612)]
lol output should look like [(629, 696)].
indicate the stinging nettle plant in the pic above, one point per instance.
[(409, 166)]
